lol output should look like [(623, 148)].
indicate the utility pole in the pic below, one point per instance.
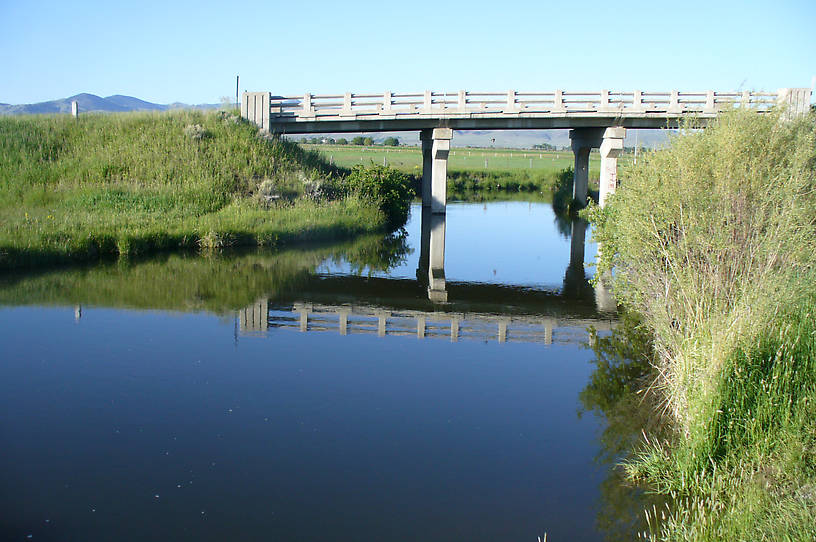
[(237, 102)]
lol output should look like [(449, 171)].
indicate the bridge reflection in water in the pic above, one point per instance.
[(432, 307)]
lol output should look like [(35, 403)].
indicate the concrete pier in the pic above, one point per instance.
[(578, 230), (424, 246), (611, 147), (436, 259), (440, 149), (426, 137), (583, 140)]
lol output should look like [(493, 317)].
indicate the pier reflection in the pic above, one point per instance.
[(432, 306)]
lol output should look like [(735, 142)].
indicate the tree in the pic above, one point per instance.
[(303, 140), (358, 141), (391, 142), (342, 141), (368, 142)]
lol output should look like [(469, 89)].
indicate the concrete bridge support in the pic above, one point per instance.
[(436, 259), (611, 147), (435, 150), (426, 137), (583, 140), (424, 246), (256, 107)]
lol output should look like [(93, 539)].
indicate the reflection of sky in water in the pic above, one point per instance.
[(141, 425), (498, 242), (133, 426)]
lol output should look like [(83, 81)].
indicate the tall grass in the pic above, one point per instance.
[(125, 184), (710, 240), (711, 243)]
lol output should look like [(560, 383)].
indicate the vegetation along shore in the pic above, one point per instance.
[(134, 183), (711, 246)]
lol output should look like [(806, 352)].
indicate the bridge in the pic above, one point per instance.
[(596, 120)]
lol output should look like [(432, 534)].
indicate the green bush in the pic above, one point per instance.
[(388, 188)]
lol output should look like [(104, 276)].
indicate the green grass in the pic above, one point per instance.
[(711, 243), (127, 184), (409, 159)]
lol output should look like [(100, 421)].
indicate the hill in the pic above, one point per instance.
[(126, 184), (93, 103)]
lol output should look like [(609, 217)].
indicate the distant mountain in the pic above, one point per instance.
[(134, 104), (93, 103)]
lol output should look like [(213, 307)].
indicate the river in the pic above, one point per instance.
[(358, 391)]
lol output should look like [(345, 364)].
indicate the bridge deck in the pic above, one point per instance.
[(349, 112)]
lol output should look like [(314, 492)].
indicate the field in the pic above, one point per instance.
[(472, 160)]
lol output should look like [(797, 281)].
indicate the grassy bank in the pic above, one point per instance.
[(711, 243), (134, 183)]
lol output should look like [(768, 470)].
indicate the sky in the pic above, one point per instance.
[(191, 52)]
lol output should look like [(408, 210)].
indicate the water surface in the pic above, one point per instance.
[(224, 398)]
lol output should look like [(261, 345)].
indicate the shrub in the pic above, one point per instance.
[(388, 188)]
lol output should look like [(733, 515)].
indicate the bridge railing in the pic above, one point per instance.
[(558, 102)]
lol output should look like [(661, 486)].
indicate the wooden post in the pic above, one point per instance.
[(75, 109)]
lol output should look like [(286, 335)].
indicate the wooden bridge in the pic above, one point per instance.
[(597, 119)]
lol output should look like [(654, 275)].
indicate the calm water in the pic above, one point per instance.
[(263, 396)]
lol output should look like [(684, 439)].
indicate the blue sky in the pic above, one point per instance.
[(192, 51)]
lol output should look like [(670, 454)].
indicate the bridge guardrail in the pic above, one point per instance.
[(313, 106)]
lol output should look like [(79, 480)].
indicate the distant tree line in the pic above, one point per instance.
[(359, 140)]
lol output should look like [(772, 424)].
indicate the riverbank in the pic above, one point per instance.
[(128, 184), (711, 245)]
